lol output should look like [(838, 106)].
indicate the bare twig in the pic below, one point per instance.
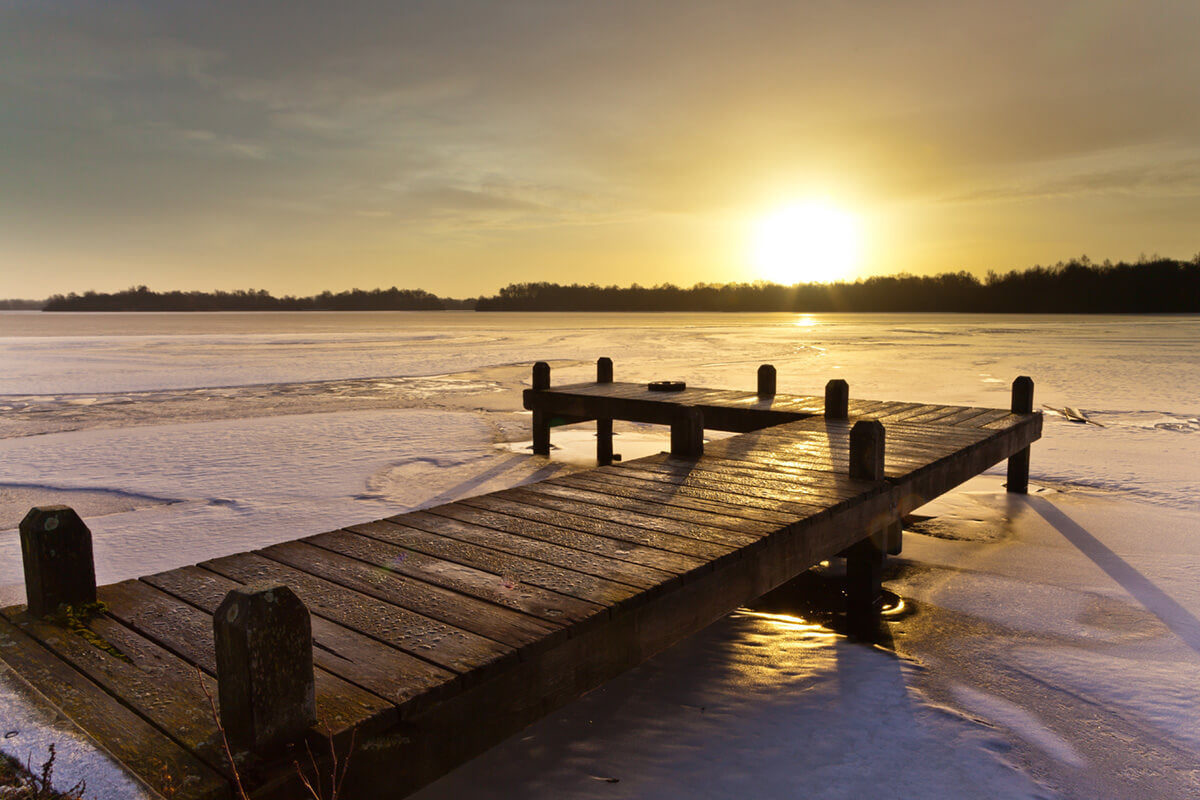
[(237, 779), (335, 780)]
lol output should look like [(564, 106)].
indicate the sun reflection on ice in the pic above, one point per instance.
[(786, 622)]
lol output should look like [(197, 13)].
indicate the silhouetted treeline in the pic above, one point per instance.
[(1156, 285), (21, 305), (140, 298), (1078, 286)]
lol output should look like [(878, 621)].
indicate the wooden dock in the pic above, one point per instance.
[(438, 633)]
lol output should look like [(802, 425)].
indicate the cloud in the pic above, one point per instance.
[(317, 118)]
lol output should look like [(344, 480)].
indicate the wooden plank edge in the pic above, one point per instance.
[(117, 730)]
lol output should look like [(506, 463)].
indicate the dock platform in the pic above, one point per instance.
[(438, 633)]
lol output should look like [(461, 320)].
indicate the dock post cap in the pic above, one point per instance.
[(837, 399), (766, 380), (1022, 395), (666, 386), (56, 553), (687, 432), (866, 450), (604, 370), (263, 637), (541, 375)]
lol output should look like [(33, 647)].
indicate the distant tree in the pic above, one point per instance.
[(141, 298), (1078, 286)]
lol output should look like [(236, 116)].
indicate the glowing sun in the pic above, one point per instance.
[(807, 243)]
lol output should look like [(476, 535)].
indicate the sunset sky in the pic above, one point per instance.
[(459, 146)]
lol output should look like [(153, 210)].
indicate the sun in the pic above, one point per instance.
[(812, 242)]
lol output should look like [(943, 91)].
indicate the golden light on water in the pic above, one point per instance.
[(786, 622), (810, 242)]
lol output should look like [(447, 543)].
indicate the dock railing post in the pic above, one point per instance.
[(604, 370), (604, 425), (263, 638), (837, 399), (766, 381), (56, 553), (864, 560), (687, 432), (541, 420), (1018, 463)]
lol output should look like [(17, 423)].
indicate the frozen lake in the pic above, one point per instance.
[(181, 437)]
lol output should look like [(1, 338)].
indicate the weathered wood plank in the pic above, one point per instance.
[(902, 414), (636, 404), (859, 408), (638, 486), (158, 686), (462, 611), (187, 633), (142, 747), (353, 657), (601, 566), (695, 524), (689, 549), (797, 478), (827, 469), (738, 488), (962, 415), (561, 534), (512, 568), (550, 607), (444, 645), (988, 417)]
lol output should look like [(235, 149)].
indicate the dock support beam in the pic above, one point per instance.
[(1018, 464), (263, 638), (541, 419), (56, 552), (864, 560), (604, 426), (766, 381), (687, 432), (837, 399)]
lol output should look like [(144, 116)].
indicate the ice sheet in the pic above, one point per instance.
[(1053, 643)]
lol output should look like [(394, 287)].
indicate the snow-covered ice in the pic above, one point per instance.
[(1053, 641)]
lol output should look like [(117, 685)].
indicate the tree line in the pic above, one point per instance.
[(1156, 285), (140, 298)]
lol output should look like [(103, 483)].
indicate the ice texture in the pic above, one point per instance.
[(1054, 640)]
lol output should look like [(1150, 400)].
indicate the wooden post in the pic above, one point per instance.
[(866, 450), (56, 551), (687, 432), (837, 399), (895, 538), (1018, 464), (604, 426), (263, 638), (766, 381), (541, 419), (604, 442), (864, 560)]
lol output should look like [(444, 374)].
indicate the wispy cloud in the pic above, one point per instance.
[(407, 121)]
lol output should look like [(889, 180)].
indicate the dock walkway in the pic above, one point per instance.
[(438, 633)]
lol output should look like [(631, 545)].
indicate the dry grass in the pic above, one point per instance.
[(21, 782)]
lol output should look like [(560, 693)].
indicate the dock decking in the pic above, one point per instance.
[(438, 633)]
